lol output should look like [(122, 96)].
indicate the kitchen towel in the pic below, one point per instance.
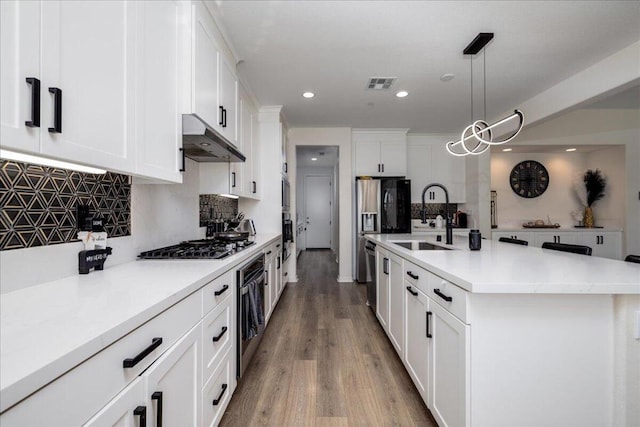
[(370, 196)]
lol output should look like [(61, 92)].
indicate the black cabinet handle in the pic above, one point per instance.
[(216, 401), (254, 187), (278, 258), (268, 252), (233, 180), (428, 326), (221, 115), (141, 411), (443, 296), (130, 363), (383, 168), (57, 110), (413, 276), (385, 266), (35, 103), (183, 168), (221, 291), (224, 115), (278, 245), (158, 396), (412, 292), (217, 338), (286, 167)]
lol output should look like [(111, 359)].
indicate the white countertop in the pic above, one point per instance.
[(47, 329), (507, 268)]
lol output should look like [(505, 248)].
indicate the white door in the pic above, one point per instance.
[(19, 61), (417, 342), (317, 197), (205, 68), (88, 53), (174, 383)]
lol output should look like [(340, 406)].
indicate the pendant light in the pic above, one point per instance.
[(476, 138)]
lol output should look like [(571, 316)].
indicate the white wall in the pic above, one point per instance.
[(340, 137), (558, 200), (161, 215)]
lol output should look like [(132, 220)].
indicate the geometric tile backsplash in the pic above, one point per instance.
[(39, 204)]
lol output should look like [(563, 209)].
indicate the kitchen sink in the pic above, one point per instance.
[(420, 246)]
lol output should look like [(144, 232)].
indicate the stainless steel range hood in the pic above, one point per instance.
[(203, 144)]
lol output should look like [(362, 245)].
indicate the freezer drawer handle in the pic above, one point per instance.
[(428, 328), (130, 363), (443, 296), (216, 401), (141, 411), (224, 330), (413, 276), (412, 292), (221, 291), (158, 396), (35, 103)]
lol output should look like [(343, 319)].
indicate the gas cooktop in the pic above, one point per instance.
[(197, 249)]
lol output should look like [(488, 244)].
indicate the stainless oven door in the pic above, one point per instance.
[(250, 310)]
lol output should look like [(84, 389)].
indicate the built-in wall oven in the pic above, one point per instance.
[(287, 235), (250, 310)]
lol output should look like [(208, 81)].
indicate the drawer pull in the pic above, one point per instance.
[(412, 292), (130, 363), (443, 296), (158, 396), (35, 103), (428, 328), (269, 253), (385, 266), (224, 330), (141, 411), (216, 401), (221, 291), (413, 276)]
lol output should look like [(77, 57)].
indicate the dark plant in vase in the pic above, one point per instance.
[(595, 184)]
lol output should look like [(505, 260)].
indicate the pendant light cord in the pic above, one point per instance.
[(471, 78), (484, 76)]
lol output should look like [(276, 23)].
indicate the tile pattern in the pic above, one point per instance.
[(39, 204), (433, 209), (213, 206)]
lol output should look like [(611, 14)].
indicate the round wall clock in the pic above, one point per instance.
[(529, 179)]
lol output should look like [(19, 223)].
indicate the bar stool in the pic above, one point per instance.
[(565, 247), (514, 241), (633, 258)]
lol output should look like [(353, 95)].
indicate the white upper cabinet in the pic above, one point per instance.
[(211, 85), (159, 120), (380, 152), (20, 63), (88, 82), (429, 162)]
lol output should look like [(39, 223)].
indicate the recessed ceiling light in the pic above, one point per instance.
[(507, 149), (447, 77), (314, 158), (571, 149), (308, 95), (402, 94)]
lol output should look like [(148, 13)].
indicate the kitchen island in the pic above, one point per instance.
[(70, 346), (508, 335)]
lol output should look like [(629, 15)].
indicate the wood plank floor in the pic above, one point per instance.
[(325, 361)]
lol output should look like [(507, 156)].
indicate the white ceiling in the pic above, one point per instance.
[(333, 47)]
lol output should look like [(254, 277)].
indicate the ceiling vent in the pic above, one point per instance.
[(380, 83)]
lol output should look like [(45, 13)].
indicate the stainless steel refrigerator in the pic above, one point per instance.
[(383, 205)]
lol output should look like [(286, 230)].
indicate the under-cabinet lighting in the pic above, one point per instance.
[(229, 196), (506, 150), (571, 149), (29, 158)]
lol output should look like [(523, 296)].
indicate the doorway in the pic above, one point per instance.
[(317, 208)]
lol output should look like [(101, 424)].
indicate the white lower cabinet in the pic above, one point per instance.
[(166, 394), (449, 368), (605, 244), (396, 303), (382, 287), (128, 408), (417, 342), (216, 393)]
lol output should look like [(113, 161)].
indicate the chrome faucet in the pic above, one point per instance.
[(449, 227)]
